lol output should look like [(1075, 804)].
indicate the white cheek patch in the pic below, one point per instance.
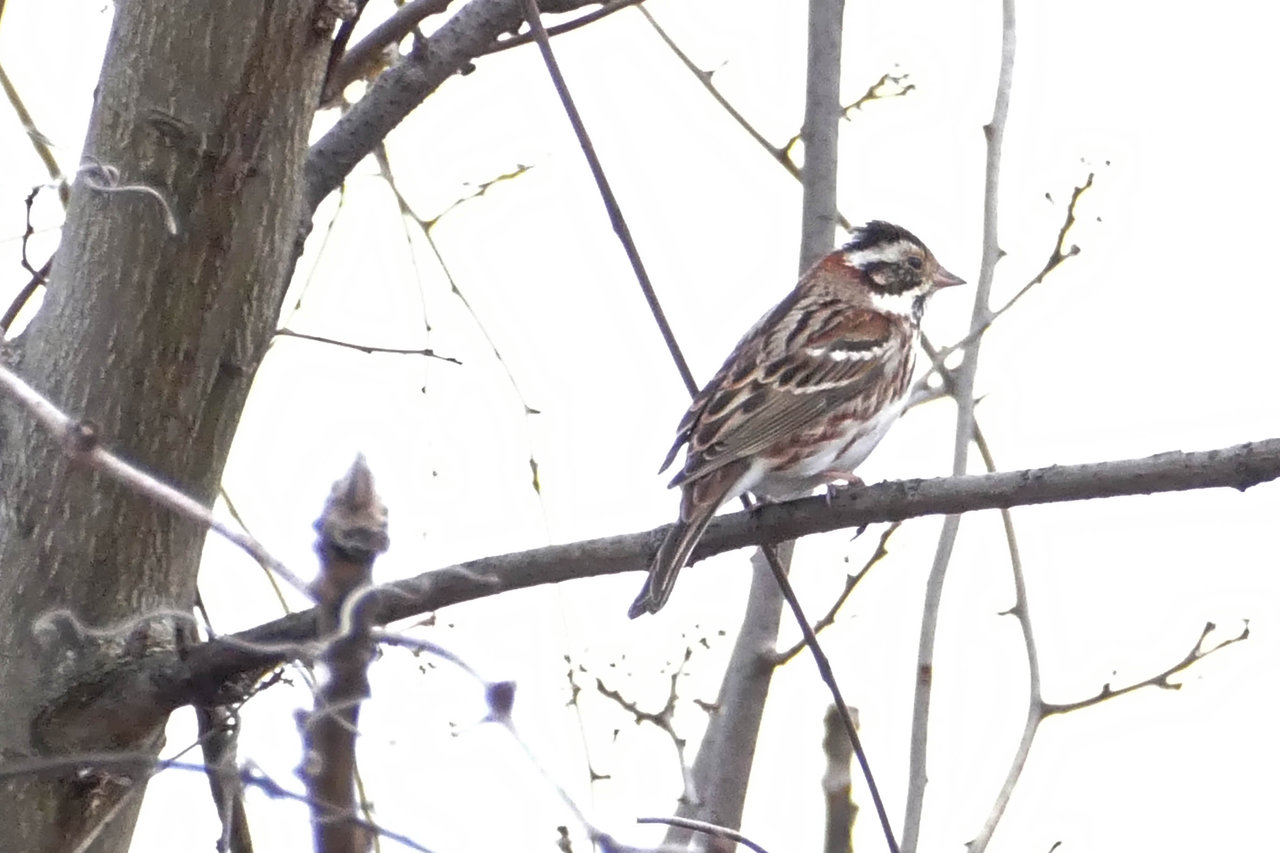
[(898, 304)]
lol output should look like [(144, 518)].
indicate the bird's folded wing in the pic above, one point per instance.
[(802, 370)]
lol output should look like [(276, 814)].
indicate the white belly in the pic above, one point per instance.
[(833, 460)]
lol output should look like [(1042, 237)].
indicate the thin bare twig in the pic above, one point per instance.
[(360, 59), (963, 394), (708, 828), (39, 278), (427, 226), (480, 191), (81, 443), (1022, 611), (1057, 257), (661, 719), (350, 17), (781, 155), (38, 140), (1160, 679), (365, 348), (607, 8), (850, 581), (1038, 711), (841, 708), (889, 85), (606, 193), (287, 314), (239, 519)]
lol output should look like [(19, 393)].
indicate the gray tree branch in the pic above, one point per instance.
[(399, 90), (821, 130), (962, 392), (160, 683)]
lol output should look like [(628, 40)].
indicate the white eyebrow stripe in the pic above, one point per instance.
[(894, 252)]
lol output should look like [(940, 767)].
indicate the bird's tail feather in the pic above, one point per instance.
[(701, 499), (672, 555)]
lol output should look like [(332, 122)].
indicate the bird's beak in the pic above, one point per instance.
[(942, 278)]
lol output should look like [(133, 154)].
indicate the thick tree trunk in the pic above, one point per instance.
[(154, 338)]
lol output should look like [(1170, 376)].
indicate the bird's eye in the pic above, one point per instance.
[(915, 263)]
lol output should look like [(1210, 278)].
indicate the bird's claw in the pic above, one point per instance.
[(847, 484)]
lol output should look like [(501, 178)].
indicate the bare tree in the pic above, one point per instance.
[(183, 230)]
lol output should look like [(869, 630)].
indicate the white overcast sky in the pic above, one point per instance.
[(1159, 336)]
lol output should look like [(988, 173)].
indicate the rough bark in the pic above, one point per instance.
[(154, 338)]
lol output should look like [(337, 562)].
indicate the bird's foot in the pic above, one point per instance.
[(845, 484)]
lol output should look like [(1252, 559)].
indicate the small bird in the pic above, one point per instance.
[(808, 391)]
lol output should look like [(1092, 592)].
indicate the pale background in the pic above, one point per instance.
[(1159, 336)]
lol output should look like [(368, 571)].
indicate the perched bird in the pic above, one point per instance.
[(807, 393)]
